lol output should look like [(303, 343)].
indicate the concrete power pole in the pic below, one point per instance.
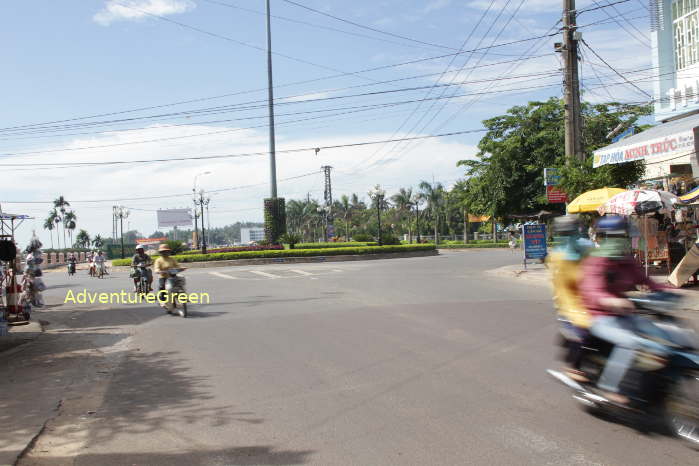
[(573, 118), (328, 197), (270, 103)]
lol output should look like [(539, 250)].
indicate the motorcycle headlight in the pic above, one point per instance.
[(168, 285)]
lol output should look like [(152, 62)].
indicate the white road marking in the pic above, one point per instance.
[(223, 275), (302, 272), (265, 274)]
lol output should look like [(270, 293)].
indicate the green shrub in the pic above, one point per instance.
[(274, 253), (388, 239), (176, 246), (362, 238), (348, 244), (291, 239), (487, 245)]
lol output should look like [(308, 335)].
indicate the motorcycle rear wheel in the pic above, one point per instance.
[(682, 409)]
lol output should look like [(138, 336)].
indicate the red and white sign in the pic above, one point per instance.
[(149, 241), (675, 144), (555, 195)]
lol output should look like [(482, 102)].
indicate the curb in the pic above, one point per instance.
[(300, 260)]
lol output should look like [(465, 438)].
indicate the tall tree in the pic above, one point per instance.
[(69, 223), (97, 241), (506, 177), (49, 225), (61, 203), (403, 202), (83, 239), (433, 194)]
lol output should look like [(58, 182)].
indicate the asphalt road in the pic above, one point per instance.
[(424, 361)]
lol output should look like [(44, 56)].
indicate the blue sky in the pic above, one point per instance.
[(72, 59)]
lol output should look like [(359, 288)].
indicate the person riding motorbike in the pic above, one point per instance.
[(99, 261), (141, 259), (608, 273), (564, 262), (72, 263), (163, 263)]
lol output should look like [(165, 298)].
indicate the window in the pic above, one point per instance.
[(685, 25)]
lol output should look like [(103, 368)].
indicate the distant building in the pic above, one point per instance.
[(248, 235)]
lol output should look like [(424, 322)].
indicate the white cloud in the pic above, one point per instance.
[(127, 181), (129, 10), (435, 5)]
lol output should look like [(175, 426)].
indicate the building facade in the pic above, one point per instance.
[(248, 235)]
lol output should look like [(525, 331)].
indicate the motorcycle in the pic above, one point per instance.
[(100, 269), (141, 273), (664, 389), (169, 298), (71, 268)]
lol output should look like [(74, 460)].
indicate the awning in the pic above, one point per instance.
[(663, 140), (690, 197)]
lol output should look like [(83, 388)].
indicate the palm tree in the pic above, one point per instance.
[(69, 219), (433, 194), (83, 239), (60, 203), (97, 241), (344, 208), (403, 201), (49, 225)]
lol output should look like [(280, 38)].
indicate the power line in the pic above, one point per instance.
[(603, 7), (612, 68)]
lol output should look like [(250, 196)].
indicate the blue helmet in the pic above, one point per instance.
[(613, 225)]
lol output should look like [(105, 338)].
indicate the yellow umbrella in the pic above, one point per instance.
[(591, 200)]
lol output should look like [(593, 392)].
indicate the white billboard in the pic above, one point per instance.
[(168, 218)]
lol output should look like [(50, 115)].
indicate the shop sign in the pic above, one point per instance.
[(667, 145), (534, 239), (555, 195)]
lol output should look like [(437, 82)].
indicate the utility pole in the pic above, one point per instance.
[(328, 197), (270, 103), (202, 202), (569, 49)]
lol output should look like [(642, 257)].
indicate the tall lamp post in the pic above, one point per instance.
[(122, 213), (377, 194), (196, 216), (202, 202)]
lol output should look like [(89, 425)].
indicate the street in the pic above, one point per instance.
[(403, 361)]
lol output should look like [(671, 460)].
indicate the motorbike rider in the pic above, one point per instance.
[(608, 273), (564, 262), (99, 260), (72, 261), (163, 263), (142, 259)]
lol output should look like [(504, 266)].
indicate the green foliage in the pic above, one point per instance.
[(275, 219), (291, 239), (507, 175), (113, 250), (295, 253), (176, 246), (362, 238), (335, 245), (388, 239), (471, 245)]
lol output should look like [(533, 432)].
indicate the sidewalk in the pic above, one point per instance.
[(538, 274)]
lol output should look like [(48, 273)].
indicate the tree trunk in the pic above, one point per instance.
[(495, 232), (466, 226), (436, 229)]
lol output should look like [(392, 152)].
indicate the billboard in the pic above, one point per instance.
[(534, 238), (168, 218)]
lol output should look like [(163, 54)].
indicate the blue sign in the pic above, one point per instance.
[(625, 134), (534, 239)]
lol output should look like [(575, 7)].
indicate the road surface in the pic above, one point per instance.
[(419, 361)]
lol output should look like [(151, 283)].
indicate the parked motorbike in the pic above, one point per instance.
[(170, 297), (141, 272), (660, 389)]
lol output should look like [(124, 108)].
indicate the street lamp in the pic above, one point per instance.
[(377, 194), (202, 202), (194, 197), (122, 212)]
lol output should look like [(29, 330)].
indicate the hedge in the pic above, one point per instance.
[(347, 244), (474, 246), (292, 253), (232, 249)]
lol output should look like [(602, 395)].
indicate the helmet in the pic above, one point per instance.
[(613, 225), (566, 225), (139, 247)]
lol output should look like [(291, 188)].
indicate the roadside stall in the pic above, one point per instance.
[(649, 213), (684, 233), (13, 308), (591, 200)]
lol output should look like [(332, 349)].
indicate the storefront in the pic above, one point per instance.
[(668, 151)]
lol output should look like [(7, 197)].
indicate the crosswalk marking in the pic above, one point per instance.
[(301, 272), (265, 274), (223, 275)]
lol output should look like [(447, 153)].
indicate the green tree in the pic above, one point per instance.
[(69, 219), (506, 177), (97, 241), (49, 225), (433, 194), (82, 239), (403, 202), (60, 203)]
